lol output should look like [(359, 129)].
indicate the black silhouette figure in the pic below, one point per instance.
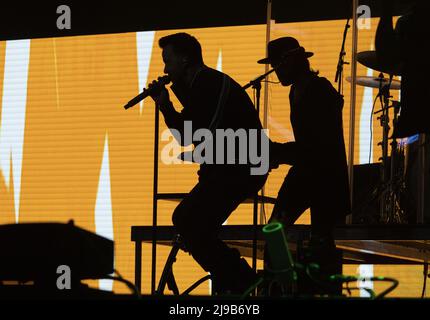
[(318, 178), (401, 48), (211, 100)]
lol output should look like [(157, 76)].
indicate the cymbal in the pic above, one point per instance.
[(370, 60), (376, 82)]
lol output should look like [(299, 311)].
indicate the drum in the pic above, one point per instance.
[(417, 180)]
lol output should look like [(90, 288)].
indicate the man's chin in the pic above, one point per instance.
[(175, 79)]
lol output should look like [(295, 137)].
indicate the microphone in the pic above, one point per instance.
[(146, 92)]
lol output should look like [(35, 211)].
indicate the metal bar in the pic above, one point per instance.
[(266, 84), (421, 178), (254, 237), (404, 233), (138, 265), (366, 244), (385, 249), (168, 267), (180, 196), (154, 200), (352, 106), (266, 95)]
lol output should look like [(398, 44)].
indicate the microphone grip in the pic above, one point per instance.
[(137, 99), (146, 92)]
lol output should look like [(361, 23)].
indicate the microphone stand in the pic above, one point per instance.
[(341, 62), (256, 85), (257, 81)]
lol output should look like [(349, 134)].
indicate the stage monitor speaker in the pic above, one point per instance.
[(34, 251)]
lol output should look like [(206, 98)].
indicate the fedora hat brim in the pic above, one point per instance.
[(268, 60)]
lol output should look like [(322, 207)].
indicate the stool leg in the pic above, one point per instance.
[(167, 276)]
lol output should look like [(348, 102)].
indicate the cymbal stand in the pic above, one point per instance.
[(397, 183), (384, 95), (390, 212)]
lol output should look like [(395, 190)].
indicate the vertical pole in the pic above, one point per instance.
[(421, 178), (266, 93), (257, 88), (154, 201), (138, 265), (352, 106), (386, 175), (266, 84)]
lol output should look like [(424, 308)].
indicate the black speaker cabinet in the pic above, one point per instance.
[(34, 251)]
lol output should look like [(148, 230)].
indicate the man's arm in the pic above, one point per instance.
[(172, 118), (282, 153)]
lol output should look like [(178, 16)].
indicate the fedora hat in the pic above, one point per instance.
[(282, 48)]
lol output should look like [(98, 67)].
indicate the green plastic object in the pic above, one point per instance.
[(279, 253)]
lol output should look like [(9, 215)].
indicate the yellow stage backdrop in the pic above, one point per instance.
[(68, 149)]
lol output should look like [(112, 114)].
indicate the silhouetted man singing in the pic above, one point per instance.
[(211, 100)]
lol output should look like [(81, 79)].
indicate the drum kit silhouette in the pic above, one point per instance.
[(390, 191)]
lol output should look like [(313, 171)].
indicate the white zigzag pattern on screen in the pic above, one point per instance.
[(12, 123)]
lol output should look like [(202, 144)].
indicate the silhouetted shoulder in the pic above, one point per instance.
[(209, 75), (211, 80), (323, 84), (323, 91)]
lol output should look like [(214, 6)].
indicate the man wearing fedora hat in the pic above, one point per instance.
[(318, 178)]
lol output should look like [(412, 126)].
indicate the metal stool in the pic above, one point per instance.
[(167, 276)]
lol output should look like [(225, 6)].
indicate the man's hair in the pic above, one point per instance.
[(303, 63), (183, 44)]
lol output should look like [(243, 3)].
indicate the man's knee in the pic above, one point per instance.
[(179, 218), (187, 222)]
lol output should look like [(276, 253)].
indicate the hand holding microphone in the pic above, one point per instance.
[(156, 90)]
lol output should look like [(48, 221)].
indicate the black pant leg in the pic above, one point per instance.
[(198, 219), (293, 198)]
